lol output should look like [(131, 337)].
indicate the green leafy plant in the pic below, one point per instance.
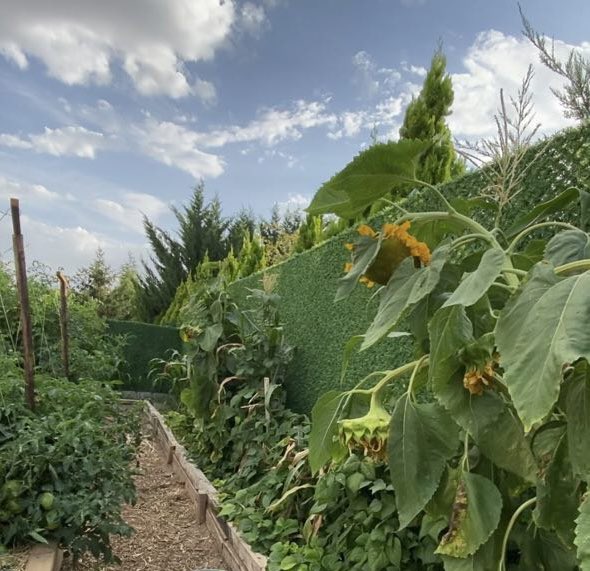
[(66, 470), (486, 437)]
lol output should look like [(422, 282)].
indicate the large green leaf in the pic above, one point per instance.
[(542, 211), (323, 442), (476, 515), (557, 502), (542, 550), (209, 338), (487, 418), (539, 331), (582, 540), (406, 287), (366, 249), (422, 438), (372, 174), (475, 284), (576, 405), (568, 246)]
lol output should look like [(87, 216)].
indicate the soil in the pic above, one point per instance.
[(14, 560), (167, 536)]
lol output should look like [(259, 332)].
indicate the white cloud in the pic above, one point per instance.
[(70, 247), (205, 91), (80, 41), (176, 146), (373, 80), (273, 125), (253, 18), (71, 141), (130, 210), (17, 189), (495, 61), (295, 203)]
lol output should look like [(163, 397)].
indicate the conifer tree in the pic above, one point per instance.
[(201, 230), (425, 119)]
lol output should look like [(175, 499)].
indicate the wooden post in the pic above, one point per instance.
[(25, 309), (63, 323)]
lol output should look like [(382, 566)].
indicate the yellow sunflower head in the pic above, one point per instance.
[(396, 245)]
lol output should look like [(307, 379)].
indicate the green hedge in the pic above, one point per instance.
[(144, 343), (307, 282)]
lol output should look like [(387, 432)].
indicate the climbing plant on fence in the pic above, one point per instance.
[(487, 444), (307, 282)]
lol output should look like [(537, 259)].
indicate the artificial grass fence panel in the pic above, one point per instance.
[(307, 282), (145, 342)]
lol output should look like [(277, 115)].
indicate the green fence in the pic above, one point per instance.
[(144, 343), (307, 283)]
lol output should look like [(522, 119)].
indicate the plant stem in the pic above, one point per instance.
[(389, 375), (515, 271), (519, 510), (438, 193), (577, 265), (466, 238), (417, 368), (530, 229)]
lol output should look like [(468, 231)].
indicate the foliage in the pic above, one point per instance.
[(66, 469), (96, 280), (310, 233), (575, 96), (114, 292), (202, 231), (93, 353), (425, 119), (564, 163), (501, 373)]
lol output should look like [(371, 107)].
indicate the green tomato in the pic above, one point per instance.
[(14, 506), (4, 516), (52, 520), (12, 488), (46, 500)]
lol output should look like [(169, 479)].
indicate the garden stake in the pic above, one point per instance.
[(25, 310), (63, 323)]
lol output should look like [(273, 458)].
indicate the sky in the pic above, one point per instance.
[(113, 110)]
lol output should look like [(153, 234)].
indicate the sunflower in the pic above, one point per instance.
[(476, 379), (396, 245)]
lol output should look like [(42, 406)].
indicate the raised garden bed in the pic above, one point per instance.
[(236, 553), (36, 558)]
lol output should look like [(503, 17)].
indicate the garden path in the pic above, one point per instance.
[(167, 536)]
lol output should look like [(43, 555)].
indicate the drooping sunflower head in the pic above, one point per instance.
[(367, 434), (397, 244), (476, 379)]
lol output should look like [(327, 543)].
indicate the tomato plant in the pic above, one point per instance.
[(66, 470)]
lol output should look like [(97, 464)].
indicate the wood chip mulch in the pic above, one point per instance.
[(14, 560), (167, 536)]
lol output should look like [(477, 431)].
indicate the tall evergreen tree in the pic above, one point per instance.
[(202, 230), (96, 280), (425, 119)]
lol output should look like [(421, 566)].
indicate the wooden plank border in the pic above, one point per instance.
[(236, 553), (44, 558)]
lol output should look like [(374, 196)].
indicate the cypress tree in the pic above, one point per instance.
[(425, 119)]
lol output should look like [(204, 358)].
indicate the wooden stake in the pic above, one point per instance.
[(63, 323), (25, 309)]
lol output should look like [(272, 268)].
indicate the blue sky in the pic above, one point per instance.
[(111, 109)]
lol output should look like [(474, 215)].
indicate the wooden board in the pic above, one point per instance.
[(236, 553), (44, 558)]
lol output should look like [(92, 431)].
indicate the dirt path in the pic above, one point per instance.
[(167, 536)]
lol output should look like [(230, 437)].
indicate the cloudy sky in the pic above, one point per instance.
[(112, 109)]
